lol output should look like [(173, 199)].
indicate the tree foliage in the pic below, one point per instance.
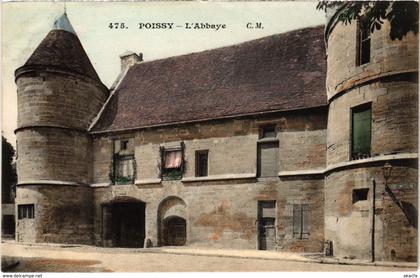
[(8, 174), (402, 15)]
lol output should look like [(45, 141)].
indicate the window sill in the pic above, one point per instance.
[(302, 172), (147, 181), (268, 140), (103, 184), (219, 177)]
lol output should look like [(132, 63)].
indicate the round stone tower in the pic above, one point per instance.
[(372, 89), (59, 94)]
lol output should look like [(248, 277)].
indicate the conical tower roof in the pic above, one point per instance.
[(61, 49)]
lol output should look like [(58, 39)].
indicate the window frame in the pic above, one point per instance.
[(172, 173), (360, 40), (259, 159), (356, 192), (123, 145), (355, 109), (198, 153), (123, 179), (26, 211), (262, 131)]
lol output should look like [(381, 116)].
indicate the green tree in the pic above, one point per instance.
[(8, 174), (402, 15)]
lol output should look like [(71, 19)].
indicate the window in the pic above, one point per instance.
[(363, 43), (267, 159), (361, 132), (301, 221), (26, 211), (124, 165), (268, 131), (124, 169), (360, 194), (201, 163), (172, 163), (124, 145)]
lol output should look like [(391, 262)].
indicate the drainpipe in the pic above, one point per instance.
[(373, 219)]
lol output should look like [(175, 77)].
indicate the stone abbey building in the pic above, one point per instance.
[(276, 143)]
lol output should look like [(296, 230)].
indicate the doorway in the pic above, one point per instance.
[(267, 225), (124, 224), (174, 231)]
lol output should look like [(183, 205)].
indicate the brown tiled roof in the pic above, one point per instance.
[(63, 50), (279, 72)]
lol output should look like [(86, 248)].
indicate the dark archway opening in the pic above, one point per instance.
[(174, 231), (124, 224)]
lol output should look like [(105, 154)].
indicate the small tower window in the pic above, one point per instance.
[(363, 42), (360, 194), (26, 211)]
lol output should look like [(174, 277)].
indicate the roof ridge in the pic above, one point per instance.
[(231, 45)]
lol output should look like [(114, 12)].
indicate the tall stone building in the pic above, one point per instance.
[(277, 143)]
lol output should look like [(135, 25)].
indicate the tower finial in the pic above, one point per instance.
[(65, 7)]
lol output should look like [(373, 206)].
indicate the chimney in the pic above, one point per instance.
[(130, 58)]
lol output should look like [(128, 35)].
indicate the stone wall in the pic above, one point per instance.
[(222, 209), (394, 116), (63, 214), (348, 225), (54, 155), (232, 145), (50, 154), (224, 214), (387, 57), (54, 99), (389, 84)]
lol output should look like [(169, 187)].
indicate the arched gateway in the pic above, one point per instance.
[(172, 222), (123, 223)]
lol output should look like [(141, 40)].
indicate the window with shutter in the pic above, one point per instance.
[(361, 132), (297, 221), (301, 224), (305, 221)]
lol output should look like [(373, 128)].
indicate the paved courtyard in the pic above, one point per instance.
[(56, 258)]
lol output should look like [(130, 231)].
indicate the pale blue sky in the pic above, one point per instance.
[(25, 24)]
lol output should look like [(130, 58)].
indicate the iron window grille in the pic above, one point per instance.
[(26, 211), (124, 169), (172, 164)]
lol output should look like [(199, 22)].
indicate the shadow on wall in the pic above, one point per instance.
[(411, 213)]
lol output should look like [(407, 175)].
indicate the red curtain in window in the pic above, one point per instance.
[(173, 159)]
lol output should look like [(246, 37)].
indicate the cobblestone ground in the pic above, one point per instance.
[(92, 259)]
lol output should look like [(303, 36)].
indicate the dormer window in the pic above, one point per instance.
[(363, 42)]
